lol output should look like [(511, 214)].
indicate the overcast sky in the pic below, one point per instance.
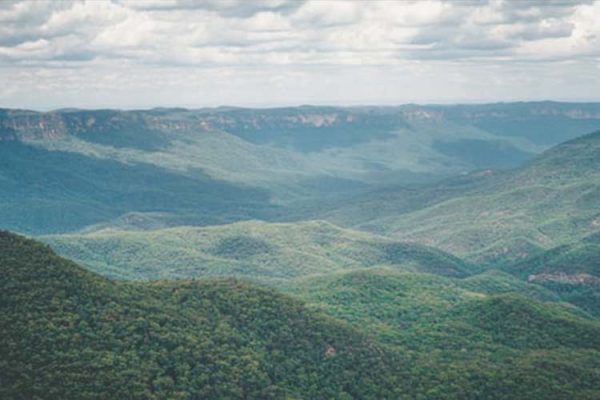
[(150, 53)]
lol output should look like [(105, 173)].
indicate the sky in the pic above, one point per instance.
[(149, 53)]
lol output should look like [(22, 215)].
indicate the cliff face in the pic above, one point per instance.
[(30, 125), (269, 125), (26, 125), (562, 277)]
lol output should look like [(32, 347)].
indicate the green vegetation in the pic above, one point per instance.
[(582, 257), (69, 334), (585, 295), (497, 218), (258, 250), (366, 277), (463, 342), (401, 306), (498, 282), (51, 191), (228, 164), (572, 271)]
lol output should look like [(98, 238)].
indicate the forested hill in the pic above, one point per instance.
[(262, 251), (69, 334), (493, 217)]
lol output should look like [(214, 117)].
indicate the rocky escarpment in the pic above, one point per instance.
[(29, 125), (270, 125), (561, 277)]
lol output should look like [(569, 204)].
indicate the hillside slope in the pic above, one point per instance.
[(581, 257), (572, 271), (252, 249), (488, 340), (50, 191), (70, 334), (499, 217)]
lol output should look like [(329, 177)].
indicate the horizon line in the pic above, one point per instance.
[(299, 105)]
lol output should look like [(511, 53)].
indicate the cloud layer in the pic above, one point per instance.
[(130, 53)]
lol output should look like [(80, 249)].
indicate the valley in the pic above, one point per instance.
[(280, 164), (418, 252)]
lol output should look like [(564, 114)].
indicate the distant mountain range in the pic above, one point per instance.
[(536, 222), (222, 165)]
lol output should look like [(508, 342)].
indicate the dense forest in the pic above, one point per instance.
[(69, 333), (295, 268)]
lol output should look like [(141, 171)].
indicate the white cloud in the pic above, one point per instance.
[(288, 41), (317, 13)]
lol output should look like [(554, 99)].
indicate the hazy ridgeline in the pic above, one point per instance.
[(168, 167), (419, 252)]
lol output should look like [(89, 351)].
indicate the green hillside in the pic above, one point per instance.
[(53, 191), (253, 249), (498, 282), (582, 257), (401, 306), (499, 218), (70, 334), (467, 342), (370, 210), (572, 271), (223, 165)]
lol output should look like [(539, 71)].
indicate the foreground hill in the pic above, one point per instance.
[(228, 164), (252, 249), (491, 217), (70, 334), (400, 306), (480, 333)]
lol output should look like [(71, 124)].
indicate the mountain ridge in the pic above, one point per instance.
[(223, 338), (498, 216), (292, 156), (251, 249), (211, 339)]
